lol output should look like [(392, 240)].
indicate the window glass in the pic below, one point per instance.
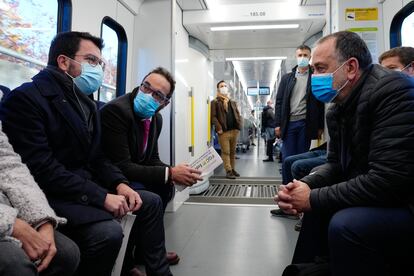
[(110, 56), (26, 30), (407, 31)]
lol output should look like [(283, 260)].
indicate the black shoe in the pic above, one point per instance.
[(230, 175), (298, 225), (280, 213), (235, 173), (268, 160)]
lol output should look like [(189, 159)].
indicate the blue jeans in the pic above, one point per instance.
[(300, 165), (359, 240), (295, 141), (15, 262)]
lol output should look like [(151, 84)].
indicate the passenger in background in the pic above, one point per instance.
[(225, 117), (359, 205), (268, 128), (55, 127), (399, 59), (252, 128), (299, 116), (28, 243), (131, 126)]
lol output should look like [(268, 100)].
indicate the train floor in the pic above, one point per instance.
[(232, 239)]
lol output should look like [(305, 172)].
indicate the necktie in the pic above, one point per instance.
[(146, 127)]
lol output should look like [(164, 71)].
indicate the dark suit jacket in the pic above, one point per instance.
[(122, 137), (52, 140)]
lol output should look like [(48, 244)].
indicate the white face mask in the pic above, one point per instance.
[(224, 90)]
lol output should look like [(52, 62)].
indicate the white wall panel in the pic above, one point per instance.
[(87, 15), (126, 19), (152, 48)]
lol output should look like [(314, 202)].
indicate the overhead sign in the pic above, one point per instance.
[(254, 91), (361, 14)]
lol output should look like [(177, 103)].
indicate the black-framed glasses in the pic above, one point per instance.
[(157, 95), (93, 60)]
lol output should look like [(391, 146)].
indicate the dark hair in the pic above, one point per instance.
[(67, 43), (304, 47), (164, 72), (404, 54), (219, 83), (349, 45)]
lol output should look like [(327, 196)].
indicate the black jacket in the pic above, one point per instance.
[(315, 110), (55, 143), (121, 137), (371, 150), (268, 118)]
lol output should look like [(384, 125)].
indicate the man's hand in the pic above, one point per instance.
[(184, 175), (277, 132), (116, 204), (48, 234), (132, 197), (219, 132), (33, 243), (293, 198)]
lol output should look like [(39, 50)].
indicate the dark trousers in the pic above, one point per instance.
[(165, 191), (359, 240), (270, 139), (294, 142), (15, 262), (299, 165), (99, 242)]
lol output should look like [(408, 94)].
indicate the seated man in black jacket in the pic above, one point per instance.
[(359, 205), (56, 129)]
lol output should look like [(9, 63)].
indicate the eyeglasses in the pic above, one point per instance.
[(93, 60), (157, 95)]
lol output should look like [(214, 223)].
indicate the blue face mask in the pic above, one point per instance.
[(322, 86), (302, 62), (144, 105), (90, 78)]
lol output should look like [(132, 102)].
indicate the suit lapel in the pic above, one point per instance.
[(73, 120)]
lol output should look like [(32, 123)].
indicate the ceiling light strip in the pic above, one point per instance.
[(254, 27)]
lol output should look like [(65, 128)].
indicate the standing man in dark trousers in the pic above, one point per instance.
[(268, 128), (225, 117), (299, 116), (359, 206), (55, 127)]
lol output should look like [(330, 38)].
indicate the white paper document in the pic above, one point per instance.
[(206, 163), (126, 224)]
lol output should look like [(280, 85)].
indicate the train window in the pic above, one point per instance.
[(115, 54), (407, 31), (402, 27), (27, 27)]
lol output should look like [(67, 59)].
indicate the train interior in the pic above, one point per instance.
[(219, 226)]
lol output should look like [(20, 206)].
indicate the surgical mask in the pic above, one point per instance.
[(145, 105), (302, 61), (322, 86), (224, 90), (402, 70), (90, 78)]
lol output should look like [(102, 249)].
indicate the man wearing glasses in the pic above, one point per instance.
[(131, 126), (53, 124)]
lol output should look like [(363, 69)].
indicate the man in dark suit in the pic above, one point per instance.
[(131, 126), (53, 124)]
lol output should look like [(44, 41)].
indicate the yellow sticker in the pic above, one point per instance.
[(361, 14)]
